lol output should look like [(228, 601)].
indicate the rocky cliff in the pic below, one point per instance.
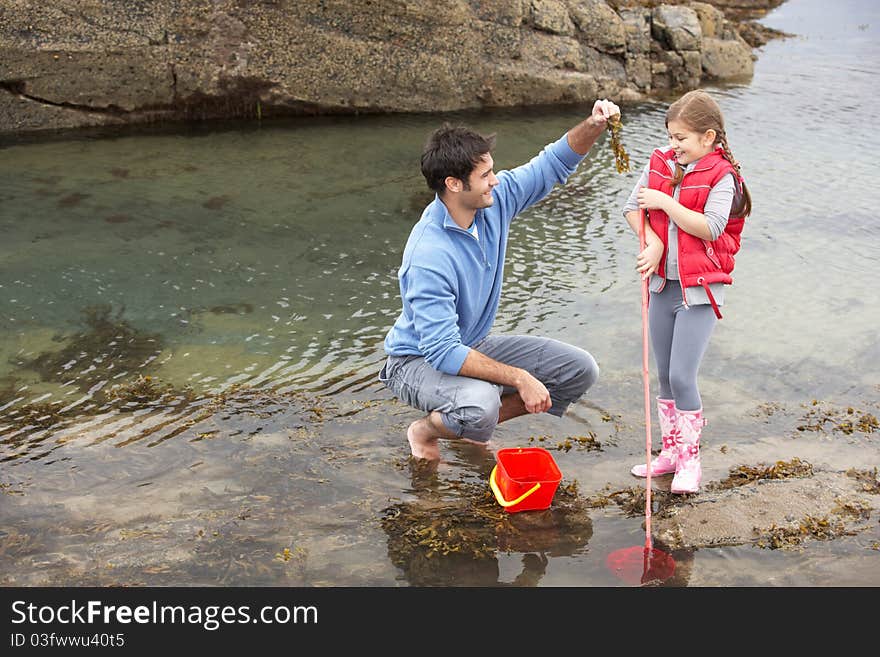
[(102, 62)]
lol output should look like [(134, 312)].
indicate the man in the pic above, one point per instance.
[(441, 358)]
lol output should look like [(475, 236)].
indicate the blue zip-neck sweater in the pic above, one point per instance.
[(450, 281)]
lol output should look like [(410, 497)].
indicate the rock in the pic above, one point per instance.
[(598, 25), (637, 28), (503, 12), (709, 17), (96, 62), (639, 72), (742, 9), (747, 514), (725, 55), (552, 16), (726, 59), (672, 69), (677, 28), (757, 35)]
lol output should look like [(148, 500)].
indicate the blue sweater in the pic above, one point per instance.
[(450, 281)]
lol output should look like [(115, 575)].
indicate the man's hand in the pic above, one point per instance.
[(534, 394), (582, 137), (602, 111)]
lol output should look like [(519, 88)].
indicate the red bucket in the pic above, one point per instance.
[(524, 479)]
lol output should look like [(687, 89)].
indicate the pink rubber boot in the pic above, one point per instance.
[(668, 457), (688, 473)]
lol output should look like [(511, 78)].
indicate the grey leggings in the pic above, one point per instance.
[(679, 336)]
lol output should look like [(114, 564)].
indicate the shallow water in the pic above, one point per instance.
[(248, 269)]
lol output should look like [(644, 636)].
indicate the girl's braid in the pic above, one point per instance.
[(679, 174), (728, 154), (742, 203)]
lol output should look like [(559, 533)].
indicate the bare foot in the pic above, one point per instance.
[(421, 443), (489, 446)]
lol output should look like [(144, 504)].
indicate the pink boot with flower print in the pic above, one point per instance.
[(668, 457), (689, 472)]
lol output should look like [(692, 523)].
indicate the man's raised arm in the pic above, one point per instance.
[(582, 137)]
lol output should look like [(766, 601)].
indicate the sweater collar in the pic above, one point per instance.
[(441, 213)]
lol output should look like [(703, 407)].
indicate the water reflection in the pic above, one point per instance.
[(454, 531)]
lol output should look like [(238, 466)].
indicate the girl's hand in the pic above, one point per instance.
[(648, 260), (653, 199)]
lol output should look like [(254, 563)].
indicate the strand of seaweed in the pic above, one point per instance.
[(621, 157)]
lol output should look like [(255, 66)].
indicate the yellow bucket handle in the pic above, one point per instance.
[(500, 497)]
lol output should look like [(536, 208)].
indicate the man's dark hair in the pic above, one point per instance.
[(453, 151)]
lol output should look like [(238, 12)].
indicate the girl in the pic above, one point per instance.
[(696, 204)]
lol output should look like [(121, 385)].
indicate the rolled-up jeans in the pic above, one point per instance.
[(469, 407)]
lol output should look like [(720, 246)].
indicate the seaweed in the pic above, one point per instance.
[(868, 478), (145, 391), (586, 443), (33, 416), (632, 500), (823, 529), (744, 474), (621, 157), (465, 526), (109, 343), (846, 420)]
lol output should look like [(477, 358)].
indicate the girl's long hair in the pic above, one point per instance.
[(699, 112)]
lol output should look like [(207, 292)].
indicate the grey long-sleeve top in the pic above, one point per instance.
[(716, 211)]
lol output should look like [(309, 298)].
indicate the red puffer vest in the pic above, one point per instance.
[(700, 261)]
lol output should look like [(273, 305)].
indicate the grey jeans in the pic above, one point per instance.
[(469, 407)]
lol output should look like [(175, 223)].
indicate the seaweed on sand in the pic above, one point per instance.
[(744, 474), (845, 420), (632, 500), (869, 479), (780, 537)]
